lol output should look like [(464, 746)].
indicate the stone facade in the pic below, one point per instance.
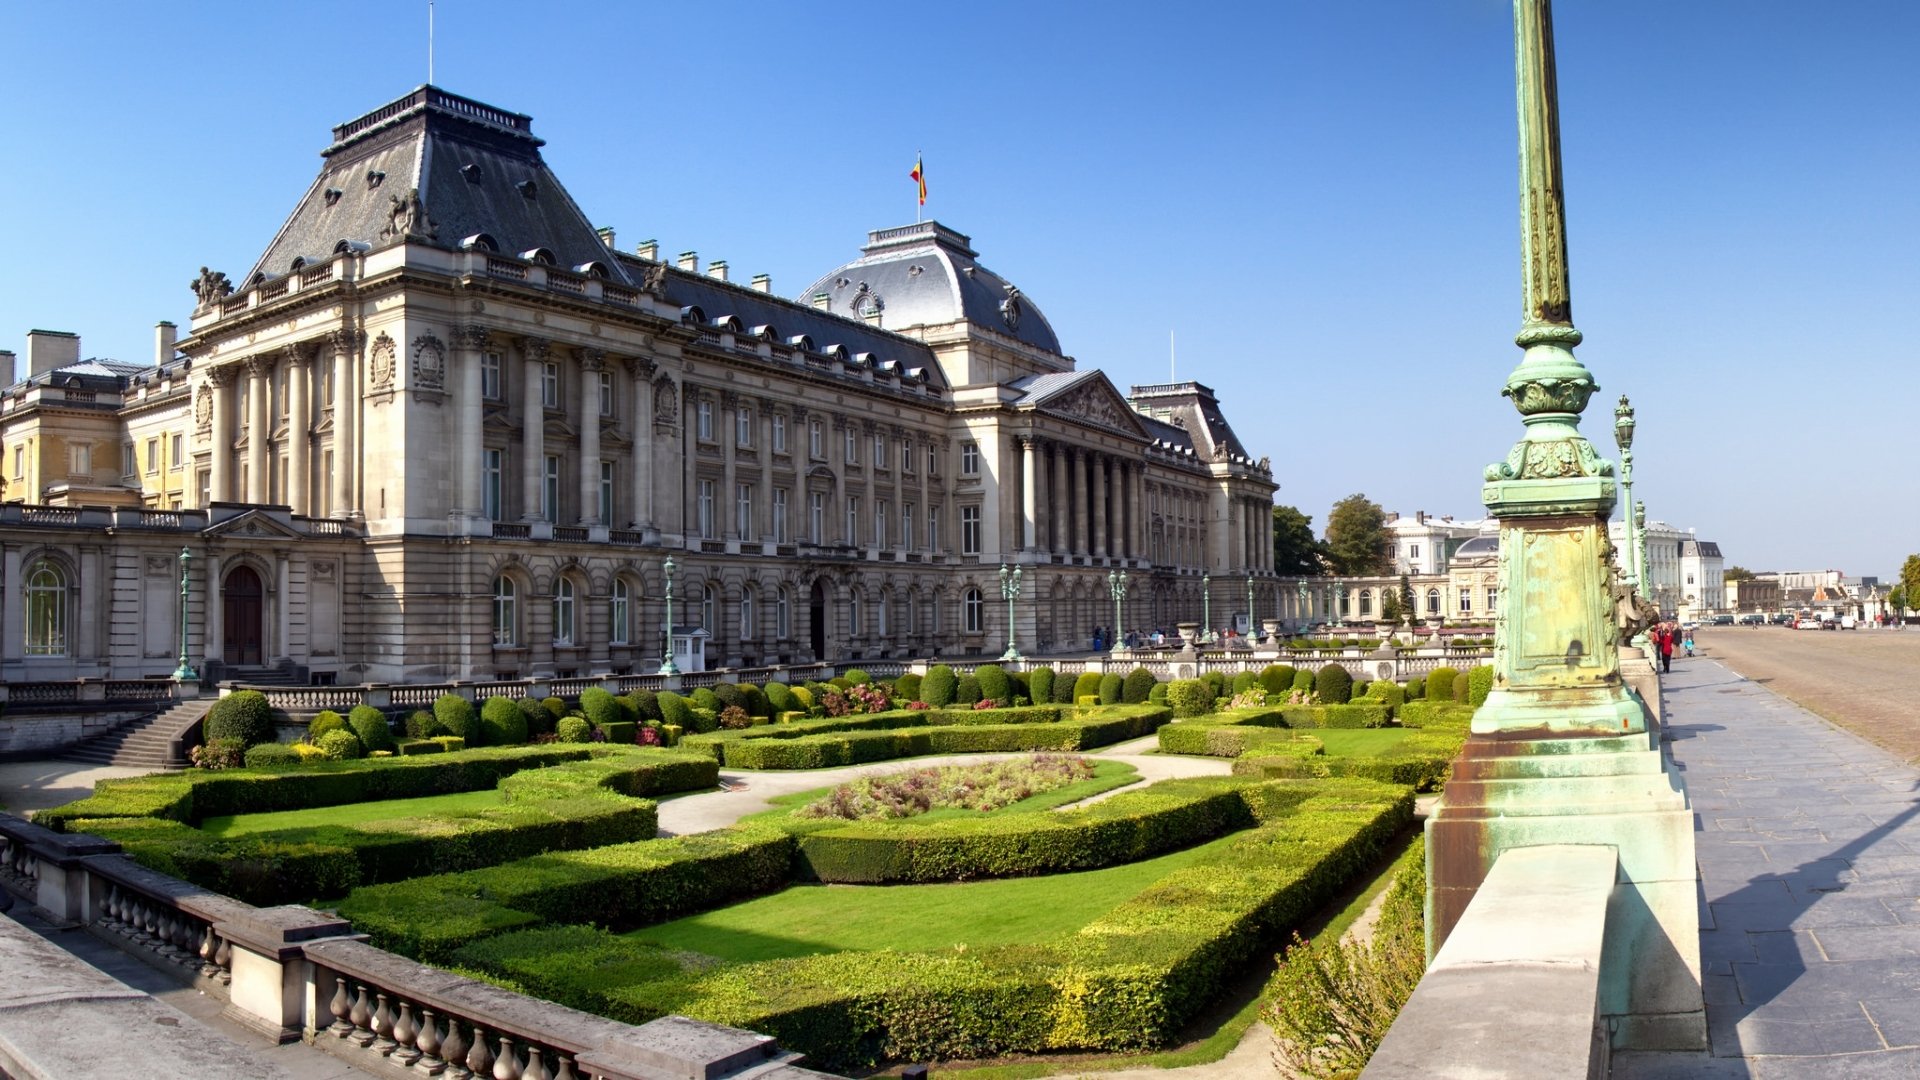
[(444, 429)]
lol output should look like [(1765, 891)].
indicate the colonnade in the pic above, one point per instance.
[(259, 481), (1081, 502)]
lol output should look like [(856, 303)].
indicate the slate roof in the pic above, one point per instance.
[(928, 275), (478, 170), (1198, 411)]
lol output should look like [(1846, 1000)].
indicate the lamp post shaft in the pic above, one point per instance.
[(185, 672)]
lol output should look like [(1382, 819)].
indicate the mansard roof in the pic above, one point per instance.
[(477, 170), (1192, 408)]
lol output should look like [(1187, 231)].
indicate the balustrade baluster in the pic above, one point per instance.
[(383, 1025), (341, 1006), (404, 1032), (506, 1066), (185, 945), (480, 1059), (362, 1018), (429, 1061), (536, 1065), (454, 1051), (223, 959), (163, 936), (565, 1072)]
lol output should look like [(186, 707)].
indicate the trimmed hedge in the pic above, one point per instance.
[(1440, 683), (455, 714), (855, 747), (1138, 686), (1436, 714), (1277, 679), (1112, 685), (372, 727), (620, 887), (1479, 684), (502, 722), (939, 686), (1420, 761), (994, 683), (1189, 698), (1225, 742), (1040, 681), (1333, 684), (243, 715)]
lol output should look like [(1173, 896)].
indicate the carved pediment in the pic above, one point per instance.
[(255, 523), (1092, 401)]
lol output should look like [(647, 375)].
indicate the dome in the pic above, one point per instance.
[(928, 275)]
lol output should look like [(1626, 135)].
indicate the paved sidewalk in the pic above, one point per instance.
[(1809, 852), (28, 786)]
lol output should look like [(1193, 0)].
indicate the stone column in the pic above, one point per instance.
[(1079, 464), (220, 482), (533, 425), (1059, 503), (726, 503), (346, 413), (299, 433), (13, 621), (282, 610), (1097, 474), (1029, 493), (259, 385), (763, 498), (213, 642), (640, 370), (592, 363), (467, 456)]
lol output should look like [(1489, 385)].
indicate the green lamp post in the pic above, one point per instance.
[(1010, 589), (667, 666), (1206, 607), (1253, 624), (1340, 606), (1117, 586), (185, 672), (1623, 438), (1305, 600)]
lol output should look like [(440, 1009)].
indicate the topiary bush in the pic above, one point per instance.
[(1242, 682), (600, 707), (703, 698), (756, 702), (501, 723), (780, 698), (1416, 688), (1111, 687), (539, 720), (1276, 679), (420, 724), (455, 714), (324, 721), (1063, 686), (272, 755), (729, 696), (1479, 684), (856, 677), (1333, 684), (1040, 685), (1440, 683), (243, 715), (646, 704), (675, 710), (573, 729), (967, 691), (907, 687), (994, 683), (1303, 681), (340, 745), (1087, 685), (940, 686), (1139, 686), (556, 710), (1189, 698), (1462, 686), (1217, 680), (371, 728)]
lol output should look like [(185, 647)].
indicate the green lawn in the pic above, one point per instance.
[(1107, 775), (808, 919), (353, 813), (1358, 742)]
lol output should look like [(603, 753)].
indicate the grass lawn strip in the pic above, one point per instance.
[(355, 814), (1107, 775), (808, 919)]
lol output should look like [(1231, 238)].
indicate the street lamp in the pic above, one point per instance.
[(1623, 438), (1253, 625), (185, 672), (1303, 613), (1340, 588), (1010, 589), (1206, 606), (1639, 541), (1117, 585), (666, 663)]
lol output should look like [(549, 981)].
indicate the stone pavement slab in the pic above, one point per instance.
[(1808, 841), (27, 786)]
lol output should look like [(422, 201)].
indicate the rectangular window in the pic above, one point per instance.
[(816, 516), (933, 460), (1466, 601), (203, 484), (933, 529), (550, 490), (969, 530), (779, 422), (706, 510), (879, 451), (490, 376), (815, 450), (906, 455), (743, 427), (176, 452), (743, 511), (779, 515), (326, 384), (1493, 599), (853, 520), (82, 459), (19, 461), (969, 458), (153, 456), (606, 493), (550, 385), (703, 420), (906, 525), (492, 484), (129, 460), (853, 448), (1413, 551), (606, 393), (882, 510)]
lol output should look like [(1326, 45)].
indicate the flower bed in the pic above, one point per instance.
[(980, 788)]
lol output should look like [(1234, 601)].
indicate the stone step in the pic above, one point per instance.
[(1534, 766), (1549, 796)]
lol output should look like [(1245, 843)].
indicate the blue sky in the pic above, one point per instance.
[(1317, 199)]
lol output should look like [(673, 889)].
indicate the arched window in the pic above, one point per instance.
[(975, 611), (708, 599), (620, 614), (782, 614), (46, 610), (1366, 602), (853, 613), (1433, 601), (746, 615), (506, 612), (563, 612)]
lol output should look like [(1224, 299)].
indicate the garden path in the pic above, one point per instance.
[(746, 793)]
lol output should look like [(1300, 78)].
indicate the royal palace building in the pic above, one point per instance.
[(444, 428)]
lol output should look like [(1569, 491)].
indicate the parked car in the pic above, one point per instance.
[(1848, 622), (1753, 620), (1807, 622), (1779, 618), (1723, 620)]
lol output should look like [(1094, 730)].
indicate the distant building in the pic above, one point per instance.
[(1424, 543)]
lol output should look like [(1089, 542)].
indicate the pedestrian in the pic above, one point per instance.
[(1664, 640), (1688, 641)]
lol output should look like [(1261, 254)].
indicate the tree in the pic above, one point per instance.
[(1296, 552), (1406, 599), (1737, 573), (1910, 578), (1357, 541), (1897, 601), (1390, 610)]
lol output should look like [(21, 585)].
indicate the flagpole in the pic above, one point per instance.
[(919, 205)]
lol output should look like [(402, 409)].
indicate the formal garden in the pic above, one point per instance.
[(1037, 901)]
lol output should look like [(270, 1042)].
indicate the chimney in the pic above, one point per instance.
[(762, 283), (717, 270), (648, 249), (8, 362), (689, 261), (606, 237), (49, 349), (823, 301), (164, 335), (1420, 517)]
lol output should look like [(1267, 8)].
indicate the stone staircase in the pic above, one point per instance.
[(147, 743)]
